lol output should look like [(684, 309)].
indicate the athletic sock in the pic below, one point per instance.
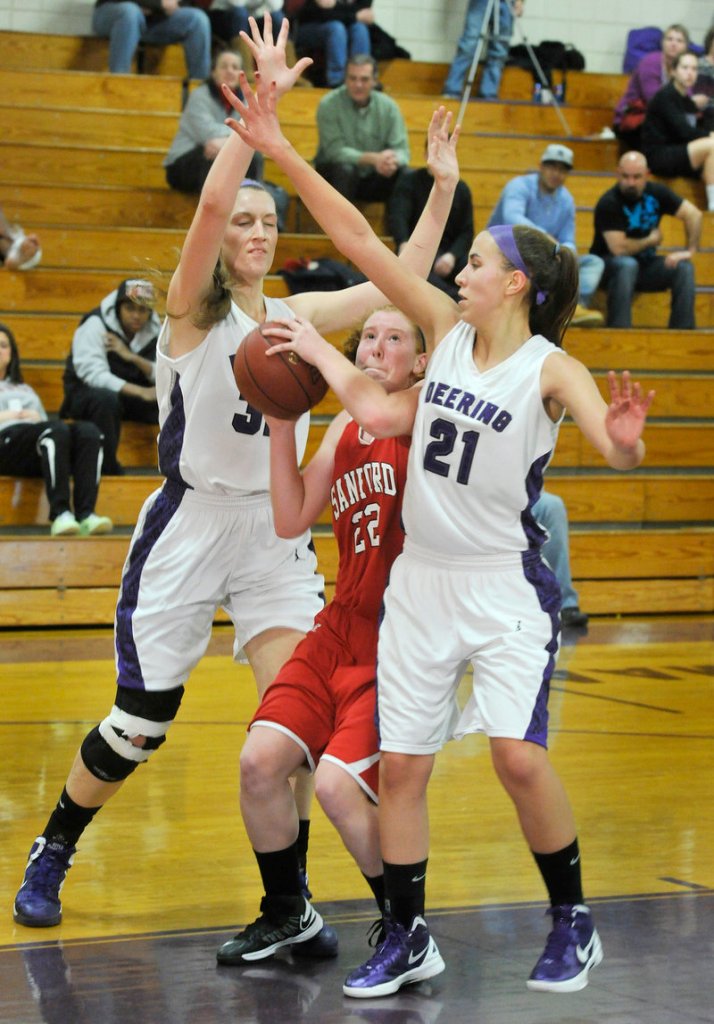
[(710, 198), (376, 884), (405, 886), (303, 840), (68, 821), (280, 871), (561, 874)]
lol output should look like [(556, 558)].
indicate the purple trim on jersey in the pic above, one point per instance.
[(171, 437), (157, 519), (535, 534), (543, 580)]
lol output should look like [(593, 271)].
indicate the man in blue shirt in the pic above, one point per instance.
[(541, 200)]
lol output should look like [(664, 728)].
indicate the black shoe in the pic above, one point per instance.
[(325, 945), (572, 616), (282, 922)]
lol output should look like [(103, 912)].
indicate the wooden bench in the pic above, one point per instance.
[(47, 51), (676, 496), (74, 581)]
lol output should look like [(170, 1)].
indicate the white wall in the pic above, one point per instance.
[(430, 28)]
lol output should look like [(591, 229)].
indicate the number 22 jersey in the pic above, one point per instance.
[(366, 498)]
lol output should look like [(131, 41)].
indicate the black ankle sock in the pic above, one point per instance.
[(68, 821), (405, 886), (280, 871), (561, 874), (302, 842), (376, 884)]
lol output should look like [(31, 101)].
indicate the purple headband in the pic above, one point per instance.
[(502, 234)]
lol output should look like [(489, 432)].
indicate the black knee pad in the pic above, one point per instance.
[(108, 750), (103, 762)]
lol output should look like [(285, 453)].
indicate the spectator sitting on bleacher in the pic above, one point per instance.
[(677, 138), (541, 200), (202, 132), (18, 251), (32, 445), (111, 369), (363, 144), (406, 204), (337, 29), (652, 72), (627, 234), (157, 22), (229, 19)]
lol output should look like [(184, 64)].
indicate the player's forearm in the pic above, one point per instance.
[(287, 492)]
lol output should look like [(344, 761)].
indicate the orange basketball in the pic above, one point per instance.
[(282, 385)]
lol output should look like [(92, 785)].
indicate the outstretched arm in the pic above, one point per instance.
[(192, 278), (426, 305), (615, 429)]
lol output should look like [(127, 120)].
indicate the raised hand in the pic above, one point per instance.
[(441, 153), (270, 58), (257, 122), (627, 412)]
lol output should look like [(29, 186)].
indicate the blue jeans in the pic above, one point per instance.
[(228, 24), (496, 53), (550, 512), (337, 41), (125, 26), (591, 270), (624, 275)]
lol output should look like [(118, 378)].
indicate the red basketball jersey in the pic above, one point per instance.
[(366, 497)]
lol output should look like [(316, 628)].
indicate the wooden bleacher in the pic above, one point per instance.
[(87, 176)]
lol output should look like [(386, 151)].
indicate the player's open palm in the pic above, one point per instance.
[(627, 411), (441, 153), (270, 58)]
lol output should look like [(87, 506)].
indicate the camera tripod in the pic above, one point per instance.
[(492, 12)]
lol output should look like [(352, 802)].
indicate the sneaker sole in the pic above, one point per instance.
[(29, 922), (428, 970), (263, 954), (576, 984)]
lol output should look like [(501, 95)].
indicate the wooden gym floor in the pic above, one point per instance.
[(165, 872)]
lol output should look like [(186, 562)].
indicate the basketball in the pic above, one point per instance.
[(283, 385)]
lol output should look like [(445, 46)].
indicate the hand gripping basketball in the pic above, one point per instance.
[(282, 385)]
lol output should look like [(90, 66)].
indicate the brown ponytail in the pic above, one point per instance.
[(553, 271)]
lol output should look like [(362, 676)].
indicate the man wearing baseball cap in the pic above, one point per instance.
[(541, 200)]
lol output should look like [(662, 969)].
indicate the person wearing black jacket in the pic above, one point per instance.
[(677, 139), (110, 371), (404, 209)]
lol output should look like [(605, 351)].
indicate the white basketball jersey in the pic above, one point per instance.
[(480, 445), (210, 438)]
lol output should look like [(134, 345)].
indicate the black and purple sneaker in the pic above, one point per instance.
[(37, 904), (403, 958)]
